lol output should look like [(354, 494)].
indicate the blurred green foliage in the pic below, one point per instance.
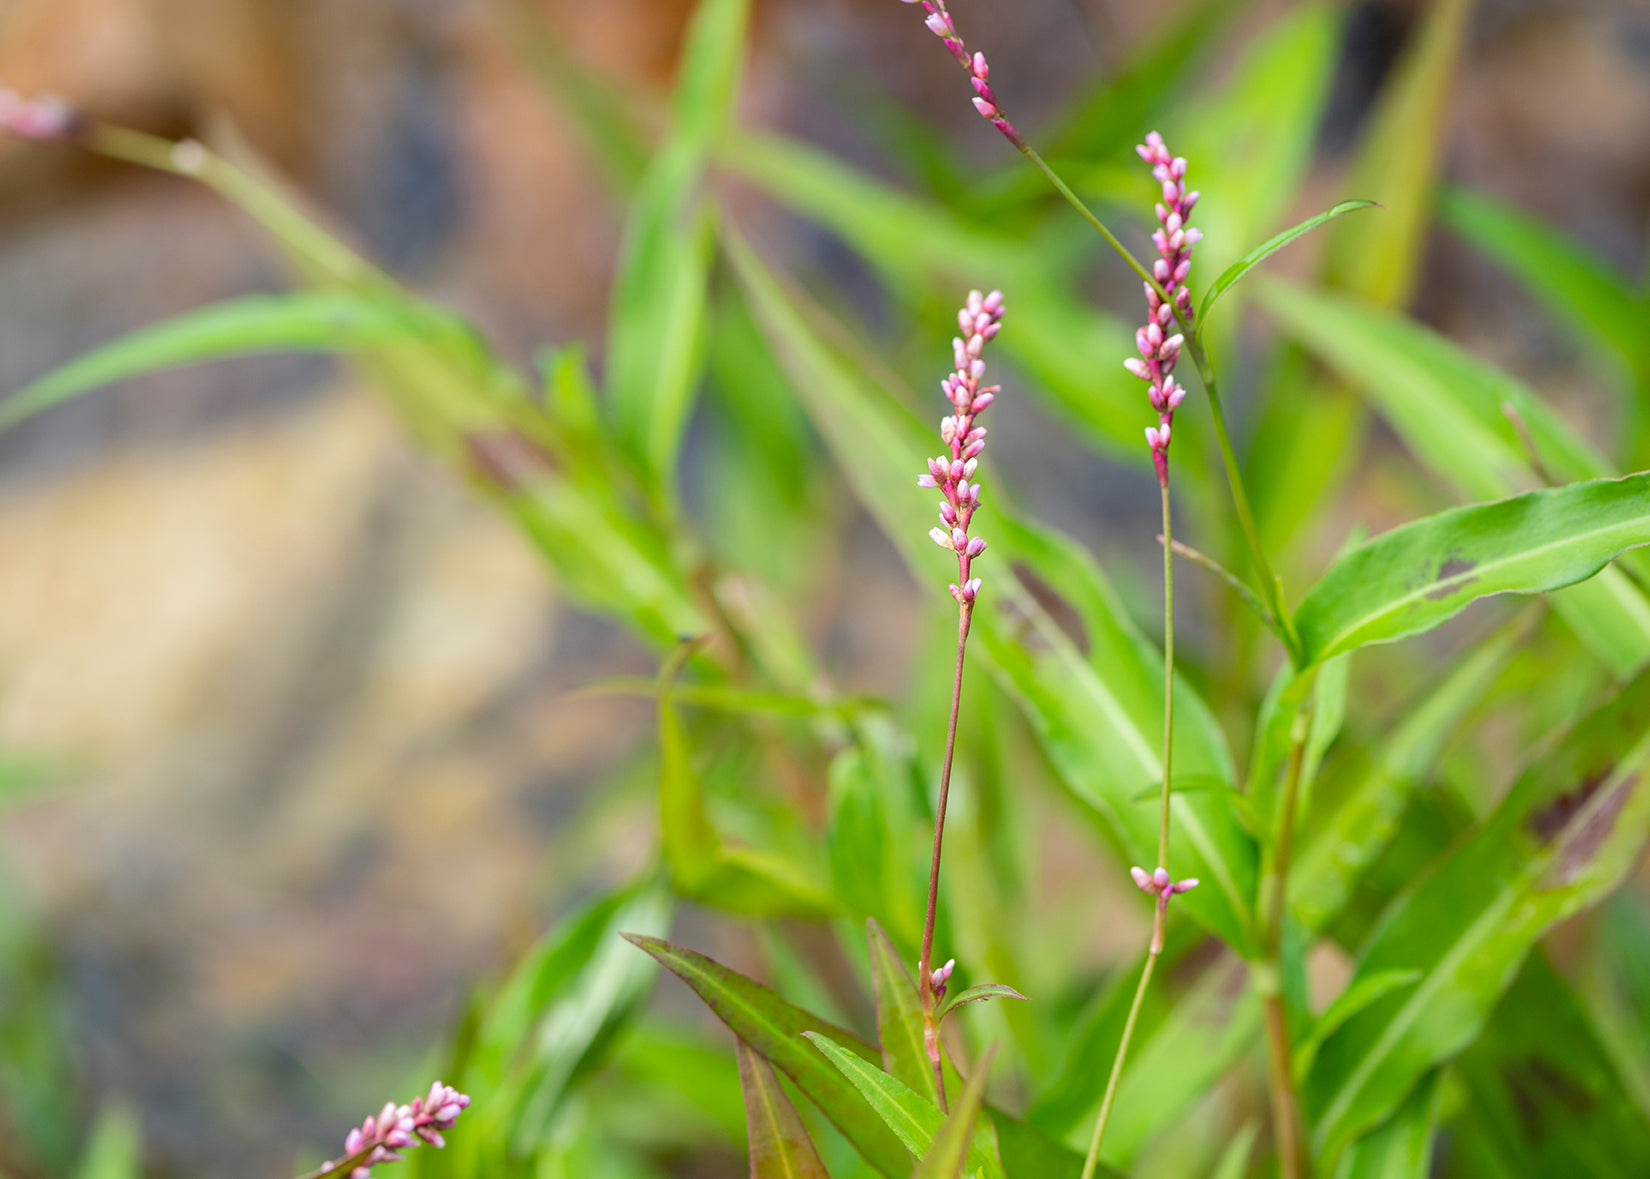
[(1452, 1026)]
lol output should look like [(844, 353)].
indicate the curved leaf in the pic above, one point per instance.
[(774, 1028), (949, 1153), (1402, 1148), (1567, 833), (913, 1118), (779, 1144), (980, 993), (1272, 245), (899, 1016), (308, 321), (1416, 576)]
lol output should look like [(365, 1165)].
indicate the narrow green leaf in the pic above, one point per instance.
[(899, 1016), (656, 335), (739, 879), (1354, 825), (1397, 164), (1450, 408), (779, 1144), (912, 1117), (948, 1156), (980, 993), (774, 1028), (1234, 1163), (316, 321), (1414, 577), (1348, 1003), (1272, 245), (1542, 1052), (551, 1022), (1598, 304), (1565, 835), (1402, 1148), (115, 1147)]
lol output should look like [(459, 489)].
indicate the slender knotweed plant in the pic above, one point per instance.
[(953, 475), (1170, 304)]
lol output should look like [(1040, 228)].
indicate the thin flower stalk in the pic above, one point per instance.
[(1167, 298), (382, 1136), (953, 475)]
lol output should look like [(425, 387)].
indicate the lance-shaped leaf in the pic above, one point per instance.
[(1348, 1003), (1272, 245), (979, 994), (1591, 298), (1413, 578), (1451, 410), (308, 321), (1402, 1147), (739, 879), (947, 1157), (912, 1117), (779, 1144), (1050, 627), (1565, 835), (1356, 822), (655, 343), (775, 1028), (899, 1016), (1542, 1052)]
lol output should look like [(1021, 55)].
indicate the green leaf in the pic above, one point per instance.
[(739, 879), (1051, 627), (318, 321), (1234, 1163), (912, 1117), (1348, 1003), (1352, 827), (1542, 1052), (1566, 834), (1598, 304), (1397, 164), (1450, 408), (1272, 245), (550, 1023), (779, 1144), (1402, 1148), (774, 1028), (115, 1147), (874, 829), (980, 993), (899, 1016), (948, 1155), (656, 336), (1414, 577)]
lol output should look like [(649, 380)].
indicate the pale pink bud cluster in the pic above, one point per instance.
[(1159, 349), (953, 475), (1159, 885), (45, 118), (940, 977), (941, 25), (380, 1138)]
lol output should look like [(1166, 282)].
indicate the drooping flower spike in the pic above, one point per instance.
[(1159, 349), (953, 474), (942, 26)]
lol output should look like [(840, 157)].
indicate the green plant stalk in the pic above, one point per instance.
[(1286, 1127), (925, 965), (1159, 919)]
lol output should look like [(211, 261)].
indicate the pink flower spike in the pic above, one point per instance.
[(1142, 878)]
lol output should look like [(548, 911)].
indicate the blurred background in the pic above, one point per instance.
[(290, 725)]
